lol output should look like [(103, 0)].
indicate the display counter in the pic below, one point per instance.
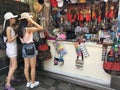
[(93, 65)]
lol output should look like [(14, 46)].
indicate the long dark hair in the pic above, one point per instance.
[(7, 23), (21, 28)]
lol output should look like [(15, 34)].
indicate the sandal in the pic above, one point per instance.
[(9, 87)]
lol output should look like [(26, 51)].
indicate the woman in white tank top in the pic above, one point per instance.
[(11, 50)]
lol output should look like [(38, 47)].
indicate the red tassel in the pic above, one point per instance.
[(99, 19), (88, 17)]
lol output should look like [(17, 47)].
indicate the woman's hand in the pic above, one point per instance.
[(30, 19)]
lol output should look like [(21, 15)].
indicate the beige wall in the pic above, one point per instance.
[(93, 65)]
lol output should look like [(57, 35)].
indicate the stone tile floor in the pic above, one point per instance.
[(46, 83)]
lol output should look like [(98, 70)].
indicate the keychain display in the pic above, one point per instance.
[(58, 59), (60, 49), (104, 52), (79, 62), (84, 50)]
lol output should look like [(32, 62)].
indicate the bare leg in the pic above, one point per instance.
[(13, 66), (10, 66), (26, 69), (33, 68)]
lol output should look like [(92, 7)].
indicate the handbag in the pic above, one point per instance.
[(30, 50), (44, 52), (44, 55), (43, 49), (42, 46)]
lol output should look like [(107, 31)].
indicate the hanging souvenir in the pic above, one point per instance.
[(107, 11), (82, 1), (69, 15), (111, 63), (99, 14), (79, 61), (37, 7), (94, 16), (41, 1), (105, 0), (114, 0), (47, 3), (111, 13), (60, 3), (88, 14), (80, 16), (60, 49), (53, 3), (84, 50), (73, 1)]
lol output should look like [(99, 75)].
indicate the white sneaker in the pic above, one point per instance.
[(28, 84), (32, 85)]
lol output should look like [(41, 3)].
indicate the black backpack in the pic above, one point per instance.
[(2, 43)]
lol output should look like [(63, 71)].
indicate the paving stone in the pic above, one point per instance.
[(2, 77), (46, 83), (22, 87), (63, 86), (72, 86), (115, 82), (41, 88), (52, 88), (90, 89), (57, 82), (1, 88), (45, 86), (80, 88), (2, 80), (49, 81)]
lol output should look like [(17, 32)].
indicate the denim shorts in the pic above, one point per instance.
[(28, 46)]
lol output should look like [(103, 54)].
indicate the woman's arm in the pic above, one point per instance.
[(9, 37), (36, 26)]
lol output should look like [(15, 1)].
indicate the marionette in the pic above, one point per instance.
[(69, 15), (111, 13), (107, 11), (88, 15), (94, 13), (80, 14), (99, 14)]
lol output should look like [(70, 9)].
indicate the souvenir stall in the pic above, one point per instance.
[(80, 34), (80, 40)]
